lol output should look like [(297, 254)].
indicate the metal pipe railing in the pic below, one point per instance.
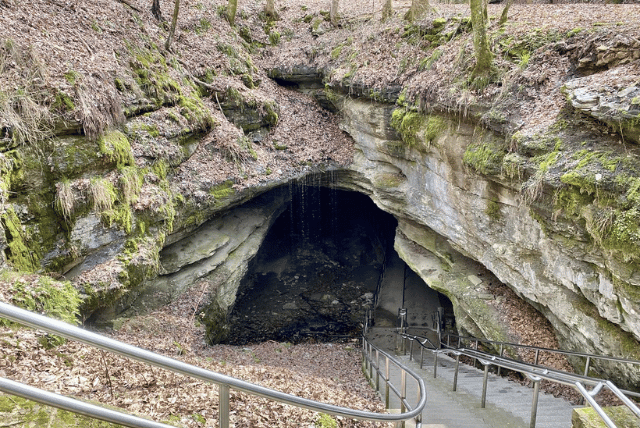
[(224, 382), (589, 357), (76, 406), (536, 374), (400, 392)]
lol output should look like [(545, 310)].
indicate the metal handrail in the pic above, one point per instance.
[(76, 406), (225, 383), (371, 365), (537, 348), (534, 372)]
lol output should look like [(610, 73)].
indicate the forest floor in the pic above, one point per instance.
[(326, 372)]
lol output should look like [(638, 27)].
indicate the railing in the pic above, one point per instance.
[(533, 372), (225, 383), (373, 370), (589, 357)]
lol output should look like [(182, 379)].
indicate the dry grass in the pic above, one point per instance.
[(532, 189), (102, 194), (130, 183), (23, 111), (65, 200), (99, 105)]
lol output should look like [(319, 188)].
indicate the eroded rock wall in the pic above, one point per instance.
[(446, 208)]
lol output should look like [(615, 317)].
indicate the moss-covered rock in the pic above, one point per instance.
[(21, 413), (587, 417), (418, 131)]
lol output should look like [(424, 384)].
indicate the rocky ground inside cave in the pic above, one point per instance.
[(317, 271)]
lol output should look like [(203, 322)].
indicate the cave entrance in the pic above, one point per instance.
[(319, 269)]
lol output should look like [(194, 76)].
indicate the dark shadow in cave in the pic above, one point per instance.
[(317, 270)]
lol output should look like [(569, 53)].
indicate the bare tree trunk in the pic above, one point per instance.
[(174, 22), (387, 10), (480, 41), (505, 13), (231, 11), (417, 10), (333, 13), (270, 9), (155, 9)]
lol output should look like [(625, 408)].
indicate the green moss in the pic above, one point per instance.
[(325, 421), (271, 115), (585, 182), (274, 37), (152, 130), (517, 47), (485, 157), (428, 62), (587, 417), (194, 110), (21, 413), (202, 26), (493, 209), (572, 200), (63, 102), (151, 73), (42, 294), (22, 252), (416, 129), (388, 180), (278, 146), (72, 77), (335, 53), (222, 191), (120, 215), (115, 148), (103, 194), (138, 268), (130, 182)]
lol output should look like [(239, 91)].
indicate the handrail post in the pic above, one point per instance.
[(371, 364), (534, 404), (421, 356), (435, 364), (387, 380), (411, 350), (586, 366), (455, 375), (403, 391), (501, 352), (535, 362), (485, 378), (223, 393), (377, 370)]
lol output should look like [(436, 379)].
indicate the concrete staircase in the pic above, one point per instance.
[(508, 403)]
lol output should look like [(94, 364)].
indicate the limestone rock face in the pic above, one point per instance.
[(620, 109), (217, 252), (433, 191)]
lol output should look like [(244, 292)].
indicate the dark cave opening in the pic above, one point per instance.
[(318, 269)]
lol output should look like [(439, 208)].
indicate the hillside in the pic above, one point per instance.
[(113, 148)]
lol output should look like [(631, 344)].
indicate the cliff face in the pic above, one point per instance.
[(135, 183), (450, 212)]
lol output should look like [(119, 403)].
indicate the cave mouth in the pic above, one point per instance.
[(317, 271)]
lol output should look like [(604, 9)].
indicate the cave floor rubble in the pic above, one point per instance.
[(508, 403)]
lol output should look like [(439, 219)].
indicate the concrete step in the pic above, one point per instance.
[(508, 404)]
